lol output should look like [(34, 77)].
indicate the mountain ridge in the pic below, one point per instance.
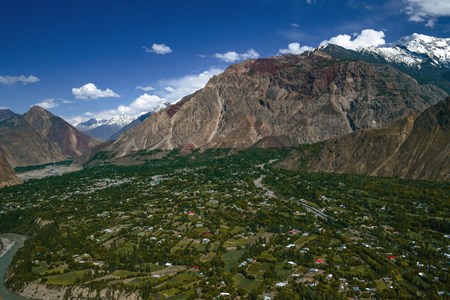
[(39, 137), (415, 147), (306, 98)]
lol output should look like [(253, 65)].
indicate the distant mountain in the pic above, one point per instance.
[(104, 129), (133, 124), (90, 124), (6, 114), (415, 50), (38, 137), (417, 147), (109, 130), (7, 175), (424, 58), (286, 100)]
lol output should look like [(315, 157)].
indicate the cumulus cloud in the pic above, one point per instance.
[(159, 49), (295, 48), (367, 37), (142, 104), (177, 88), (233, 56), (48, 103), (170, 90), (90, 91), (15, 79), (427, 10), (145, 88)]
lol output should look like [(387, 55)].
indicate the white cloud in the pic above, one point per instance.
[(170, 90), (142, 104), (145, 88), (233, 56), (294, 48), (15, 79), (367, 37), (159, 49), (90, 91), (64, 101), (427, 10), (175, 89), (48, 103)]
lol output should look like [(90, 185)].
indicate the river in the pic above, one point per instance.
[(5, 260)]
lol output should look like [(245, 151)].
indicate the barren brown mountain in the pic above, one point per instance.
[(415, 147), (283, 101), (38, 137)]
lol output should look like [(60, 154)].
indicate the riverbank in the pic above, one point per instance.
[(7, 244), (13, 243)]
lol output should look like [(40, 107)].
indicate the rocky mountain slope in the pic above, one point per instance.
[(416, 147), (6, 114), (7, 175), (286, 100), (39, 137)]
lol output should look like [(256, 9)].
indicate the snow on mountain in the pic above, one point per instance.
[(414, 50), (90, 124), (121, 120)]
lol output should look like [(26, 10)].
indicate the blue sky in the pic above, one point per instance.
[(87, 58)]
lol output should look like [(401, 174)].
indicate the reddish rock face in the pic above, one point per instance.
[(303, 99)]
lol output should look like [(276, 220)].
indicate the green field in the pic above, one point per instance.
[(231, 258)]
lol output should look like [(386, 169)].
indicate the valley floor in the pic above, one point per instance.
[(224, 223)]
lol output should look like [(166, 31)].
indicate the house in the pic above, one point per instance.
[(320, 261), (281, 284), (290, 246), (392, 257), (191, 213), (293, 231)]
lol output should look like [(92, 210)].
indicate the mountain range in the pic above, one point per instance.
[(380, 111), (414, 51), (286, 101), (109, 130)]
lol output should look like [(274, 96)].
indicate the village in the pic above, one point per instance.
[(229, 226)]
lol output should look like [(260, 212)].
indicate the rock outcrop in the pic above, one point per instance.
[(286, 100)]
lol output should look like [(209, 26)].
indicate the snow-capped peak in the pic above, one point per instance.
[(121, 120), (413, 50)]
